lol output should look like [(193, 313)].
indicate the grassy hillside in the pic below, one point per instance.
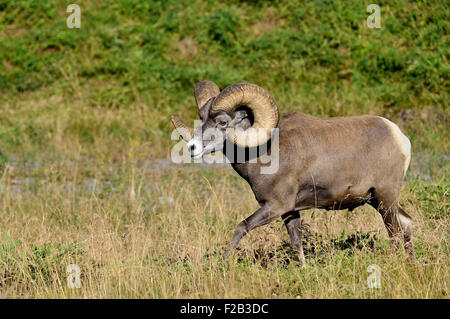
[(133, 63), (85, 175)]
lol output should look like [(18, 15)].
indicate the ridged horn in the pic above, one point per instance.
[(185, 131), (203, 91), (259, 101)]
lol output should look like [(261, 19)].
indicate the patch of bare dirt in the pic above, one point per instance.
[(268, 23), (263, 27), (185, 48)]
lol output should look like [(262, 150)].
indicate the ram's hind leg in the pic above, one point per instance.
[(292, 223), (407, 228), (398, 223)]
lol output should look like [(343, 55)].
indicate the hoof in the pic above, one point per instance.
[(226, 254), (301, 261), (411, 258)]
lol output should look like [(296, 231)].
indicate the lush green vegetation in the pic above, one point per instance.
[(143, 57), (85, 138)]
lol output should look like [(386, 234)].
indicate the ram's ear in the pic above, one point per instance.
[(203, 91), (240, 120), (239, 116), (185, 131)]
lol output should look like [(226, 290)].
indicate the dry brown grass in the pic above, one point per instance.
[(165, 238)]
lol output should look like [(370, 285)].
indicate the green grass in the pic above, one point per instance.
[(133, 63), (84, 119)]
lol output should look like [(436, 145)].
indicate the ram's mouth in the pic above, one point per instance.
[(197, 156), (207, 150)]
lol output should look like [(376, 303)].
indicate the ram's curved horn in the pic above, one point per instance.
[(264, 108), (185, 131), (203, 91)]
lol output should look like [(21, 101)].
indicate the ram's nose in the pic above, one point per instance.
[(194, 147)]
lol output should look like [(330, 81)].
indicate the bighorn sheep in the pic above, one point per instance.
[(334, 163)]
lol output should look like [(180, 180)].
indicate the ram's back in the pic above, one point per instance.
[(343, 156)]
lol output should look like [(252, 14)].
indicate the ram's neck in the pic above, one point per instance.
[(242, 169), (242, 158)]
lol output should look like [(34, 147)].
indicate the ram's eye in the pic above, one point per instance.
[(222, 123)]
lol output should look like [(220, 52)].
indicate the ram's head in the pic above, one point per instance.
[(243, 113)]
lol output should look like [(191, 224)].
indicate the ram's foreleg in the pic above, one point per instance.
[(267, 213)]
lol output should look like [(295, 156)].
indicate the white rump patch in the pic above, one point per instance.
[(402, 141)]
